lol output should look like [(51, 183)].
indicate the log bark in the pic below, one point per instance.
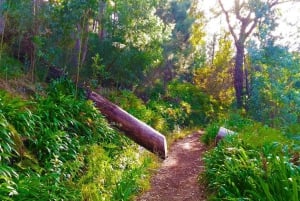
[(223, 132), (135, 129)]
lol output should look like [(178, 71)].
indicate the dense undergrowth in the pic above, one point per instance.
[(258, 163), (181, 105), (57, 146)]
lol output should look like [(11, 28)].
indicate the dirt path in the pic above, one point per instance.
[(177, 178)]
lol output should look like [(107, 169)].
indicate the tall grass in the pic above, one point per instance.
[(253, 165), (57, 146)]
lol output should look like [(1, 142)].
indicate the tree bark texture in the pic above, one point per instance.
[(81, 45), (101, 31), (135, 129), (239, 74)]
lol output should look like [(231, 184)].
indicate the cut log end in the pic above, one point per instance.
[(223, 132)]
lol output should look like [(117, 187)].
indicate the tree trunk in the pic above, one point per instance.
[(84, 43), (135, 129), (101, 31), (239, 74), (81, 44), (2, 18)]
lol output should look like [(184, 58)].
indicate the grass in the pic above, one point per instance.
[(57, 146), (255, 164)]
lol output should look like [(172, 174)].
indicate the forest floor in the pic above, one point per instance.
[(177, 177)]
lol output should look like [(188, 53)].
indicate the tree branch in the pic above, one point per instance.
[(255, 21), (228, 21), (277, 2), (237, 8)]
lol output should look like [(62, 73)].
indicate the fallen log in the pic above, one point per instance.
[(135, 129)]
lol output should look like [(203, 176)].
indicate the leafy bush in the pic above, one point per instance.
[(47, 186), (132, 104), (112, 178), (9, 67), (142, 111), (201, 108), (241, 168), (182, 105), (210, 134), (17, 113), (7, 152), (274, 95), (234, 121), (174, 114), (64, 142), (163, 115)]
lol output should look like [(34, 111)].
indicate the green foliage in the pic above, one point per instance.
[(99, 175), (215, 78), (48, 186), (99, 72), (65, 150), (274, 98), (132, 104), (147, 113), (174, 115), (293, 132), (9, 67), (210, 134), (232, 121), (181, 107), (181, 55), (123, 59), (112, 178), (68, 33), (256, 164), (246, 128), (201, 108), (7, 152)]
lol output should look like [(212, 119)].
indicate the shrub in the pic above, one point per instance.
[(241, 168), (7, 152), (173, 114), (202, 109), (9, 67), (234, 122), (112, 178), (210, 134), (65, 141), (142, 111), (132, 104)]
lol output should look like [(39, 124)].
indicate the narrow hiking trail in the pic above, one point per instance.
[(177, 178)]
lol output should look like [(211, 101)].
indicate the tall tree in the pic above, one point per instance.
[(242, 19)]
